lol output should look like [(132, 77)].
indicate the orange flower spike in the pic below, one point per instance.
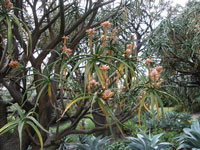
[(157, 77), (65, 39), (159, 69), (104, 67), (106, 24), (68, 51), (129, 46), (107, 94), (14, 64), (90, 31), (154, 73), (148, 61), (93, 83), (113, 35), (8, 4), (102, 37), (127, 52)]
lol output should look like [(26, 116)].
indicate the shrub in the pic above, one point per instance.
[(191, 137), (144, 142)]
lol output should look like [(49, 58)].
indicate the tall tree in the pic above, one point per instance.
[(175, 43)]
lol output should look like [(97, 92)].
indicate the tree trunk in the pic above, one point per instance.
[(100, 118)]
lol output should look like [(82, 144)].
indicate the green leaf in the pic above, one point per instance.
[(2, 18), (8, 126), (88, 69), (103, 108), (159, 102), (73, 102), (20, 130), (37, 123), (19, 110), (9, 40), (37, 132), (29, 35), (140, 107), (99, 75)]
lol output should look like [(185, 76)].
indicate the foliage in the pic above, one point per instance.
[(92, 143), (169, 137), (175, 43), (191, 137), (22, 121), (116, 145), (147, 142), (174, 121)]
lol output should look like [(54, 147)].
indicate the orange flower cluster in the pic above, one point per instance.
[(8, 4), (90, 31), (127, 51), (106, 24), (93, 83), (65, 38), (148, 61), (104, 67), (14, 64), (102, 37), (155, 75), (129, 46), (107, 94), (113, 36), (66, 50)]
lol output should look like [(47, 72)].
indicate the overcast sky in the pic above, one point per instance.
[(181, 2)]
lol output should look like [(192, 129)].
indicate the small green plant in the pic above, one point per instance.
[(168, 137), (144, 142), (174, 121), (91, 143), (22, 121), (191, 137), (118, 145)]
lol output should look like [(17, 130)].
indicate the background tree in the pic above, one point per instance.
[(175, 43)]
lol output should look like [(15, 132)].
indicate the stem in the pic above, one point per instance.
[(104, 41), (91, 50)]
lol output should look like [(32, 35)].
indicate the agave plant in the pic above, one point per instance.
[(92, 143), (144, 142), (191, 137)]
